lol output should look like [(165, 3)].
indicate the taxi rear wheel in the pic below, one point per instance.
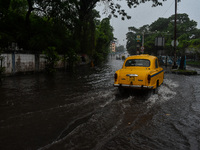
[(155, 91), (121, 90)]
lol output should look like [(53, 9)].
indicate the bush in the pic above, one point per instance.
[(195, 63), (52, 59)]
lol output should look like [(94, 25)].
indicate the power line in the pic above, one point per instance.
[(168, 8)]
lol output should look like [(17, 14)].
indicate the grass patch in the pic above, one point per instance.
[(196, 63)]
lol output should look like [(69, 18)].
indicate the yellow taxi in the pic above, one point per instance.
[(139, 72)]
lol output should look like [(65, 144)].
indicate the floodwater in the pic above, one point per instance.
[(83, 111)]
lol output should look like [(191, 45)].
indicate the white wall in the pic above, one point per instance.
[(7, 62), (15, 63)]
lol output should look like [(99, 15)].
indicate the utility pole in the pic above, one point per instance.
[(142, 49), (143, 39), (175, 66)]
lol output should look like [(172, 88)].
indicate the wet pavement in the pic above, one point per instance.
[(83, 111)]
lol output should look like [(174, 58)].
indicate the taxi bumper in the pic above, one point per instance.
[(133, 86)]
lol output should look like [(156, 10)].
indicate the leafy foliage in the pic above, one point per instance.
[(187, 35), (104, 34), (71, 58), (117, 10), (120, 49), (52, 58), (67, 25)]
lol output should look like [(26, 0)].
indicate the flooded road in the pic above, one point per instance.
[(83, 111)]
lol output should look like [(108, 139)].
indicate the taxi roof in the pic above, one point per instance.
[(142, 56), (151, 58)]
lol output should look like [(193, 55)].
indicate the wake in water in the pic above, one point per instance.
[(165, 93)]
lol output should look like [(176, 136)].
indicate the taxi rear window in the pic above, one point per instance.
[(137, 62)]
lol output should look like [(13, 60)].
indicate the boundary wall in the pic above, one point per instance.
[(21, 63)]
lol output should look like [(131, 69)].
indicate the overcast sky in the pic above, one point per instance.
[(145, 14)]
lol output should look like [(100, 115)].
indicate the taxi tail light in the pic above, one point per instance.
[(115, 77), (149, 78)]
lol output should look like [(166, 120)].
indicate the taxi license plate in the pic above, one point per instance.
[(131, 78)]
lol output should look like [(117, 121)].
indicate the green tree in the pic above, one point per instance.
[(159, 25), (134, 45), (164, 27), (104, 35), (120, 49), (131, 42), (67, 25), (11, 21)]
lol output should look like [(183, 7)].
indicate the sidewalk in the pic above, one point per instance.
[(189, 70), (167, 69)]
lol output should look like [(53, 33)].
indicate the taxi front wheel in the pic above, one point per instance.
[(155, 91)]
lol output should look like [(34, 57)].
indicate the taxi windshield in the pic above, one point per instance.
[(137, 62)]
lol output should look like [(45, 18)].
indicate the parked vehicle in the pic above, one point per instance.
[(165, 60), (139, 72)]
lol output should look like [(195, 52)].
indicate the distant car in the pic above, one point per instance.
[(139, 72), (118, 57)]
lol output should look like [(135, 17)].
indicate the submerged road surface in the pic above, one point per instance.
[(83, 111)]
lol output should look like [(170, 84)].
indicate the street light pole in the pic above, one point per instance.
[(175, 66)]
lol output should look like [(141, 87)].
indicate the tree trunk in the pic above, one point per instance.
[(28, 28), (182, 67)]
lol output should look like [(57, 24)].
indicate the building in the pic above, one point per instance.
[(113, 47)]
